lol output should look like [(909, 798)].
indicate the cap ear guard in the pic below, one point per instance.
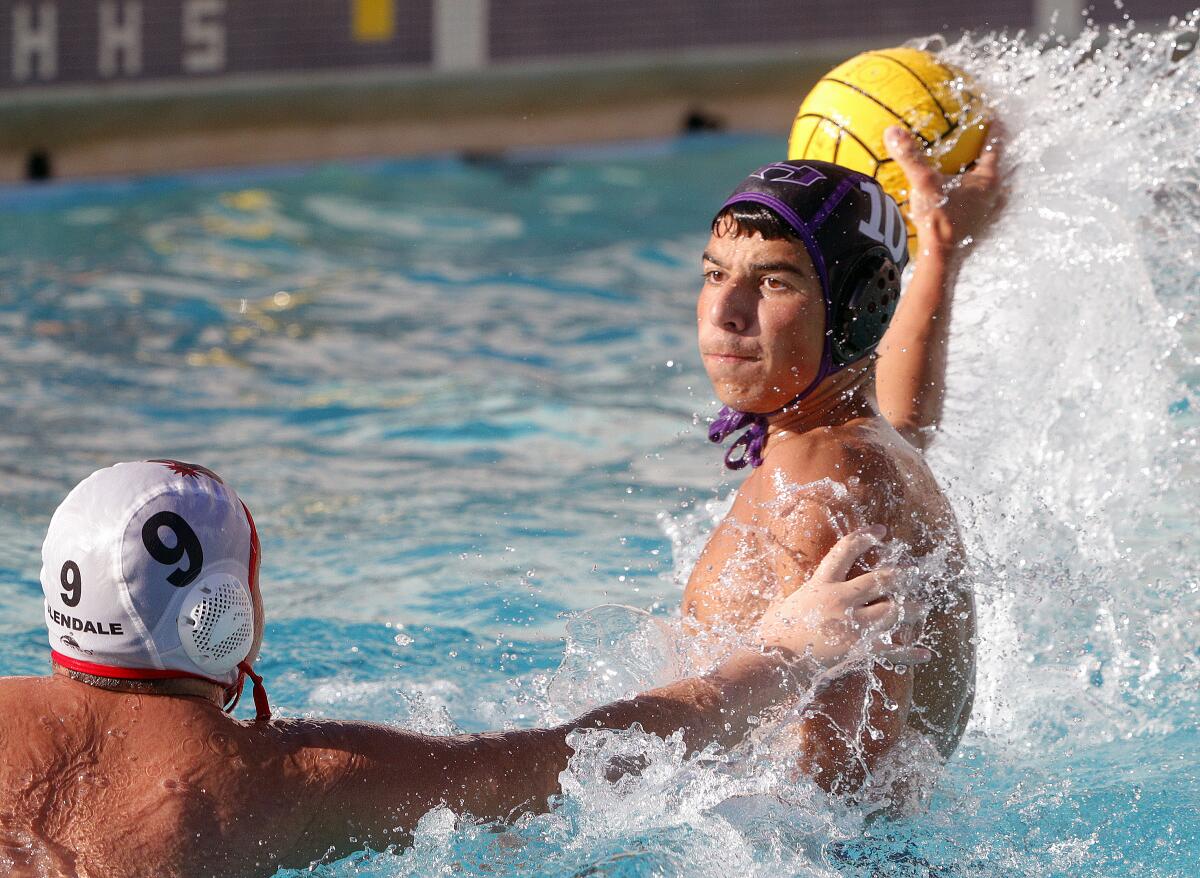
[(866, 302), (216, 623)]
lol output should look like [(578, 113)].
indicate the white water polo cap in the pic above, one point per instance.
[(150, 572)]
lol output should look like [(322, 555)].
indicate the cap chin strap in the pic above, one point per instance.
[(262, 707), (754, 441)]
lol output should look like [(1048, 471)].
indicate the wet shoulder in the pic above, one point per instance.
[(38, 719), (840, 465), (49, 741), (17, 695)]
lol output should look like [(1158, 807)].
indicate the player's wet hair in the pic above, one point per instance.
[(744, 219)]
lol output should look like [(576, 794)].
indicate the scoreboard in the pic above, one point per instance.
[(77, 42)]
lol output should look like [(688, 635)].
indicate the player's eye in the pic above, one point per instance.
[(772, 284), (714, 276)]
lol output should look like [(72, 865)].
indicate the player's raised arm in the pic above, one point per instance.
[(948, 212)]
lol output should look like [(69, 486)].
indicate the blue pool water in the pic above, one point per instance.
[(463, 401)]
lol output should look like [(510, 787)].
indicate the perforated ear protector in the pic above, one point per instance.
[(865, 305), (216, 623)]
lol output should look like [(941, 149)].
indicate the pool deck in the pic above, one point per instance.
[(153, 128)]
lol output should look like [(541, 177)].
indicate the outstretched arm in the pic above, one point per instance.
[(911, 374), (380, 780)]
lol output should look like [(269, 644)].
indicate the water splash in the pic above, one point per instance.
[(1069, 450), (612, 652), (1063, 447)]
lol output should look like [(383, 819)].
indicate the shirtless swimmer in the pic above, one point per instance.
[(801, 279), (123, 763)]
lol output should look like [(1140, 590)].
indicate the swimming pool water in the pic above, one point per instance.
[(463, 401)]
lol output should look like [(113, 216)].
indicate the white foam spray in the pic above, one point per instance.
[(1069, 452)]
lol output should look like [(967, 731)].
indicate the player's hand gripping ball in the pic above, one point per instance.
[(843, 118)]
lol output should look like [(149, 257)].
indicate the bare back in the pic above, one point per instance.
[(101, 784), (812, 488)]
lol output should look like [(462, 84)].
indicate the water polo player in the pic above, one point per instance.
[(801, 283), (124, 762)]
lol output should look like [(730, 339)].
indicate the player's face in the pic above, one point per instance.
[(761, 320)]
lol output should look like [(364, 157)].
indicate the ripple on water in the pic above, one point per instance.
[(460, 397)]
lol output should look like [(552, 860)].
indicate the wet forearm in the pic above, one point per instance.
[(911, 374), (716, 708), (389, 777), (520, 770)]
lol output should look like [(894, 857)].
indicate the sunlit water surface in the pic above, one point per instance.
[(463, 401)]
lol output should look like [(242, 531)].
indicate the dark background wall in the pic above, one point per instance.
[(116, 86), (56, 42), (1138, 10), (539, 28), (46, 43)]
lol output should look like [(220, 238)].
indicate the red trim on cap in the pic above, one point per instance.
[(73, 664), (255, 548), (262, 707)]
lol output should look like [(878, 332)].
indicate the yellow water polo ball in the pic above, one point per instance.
[(843, 118)]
